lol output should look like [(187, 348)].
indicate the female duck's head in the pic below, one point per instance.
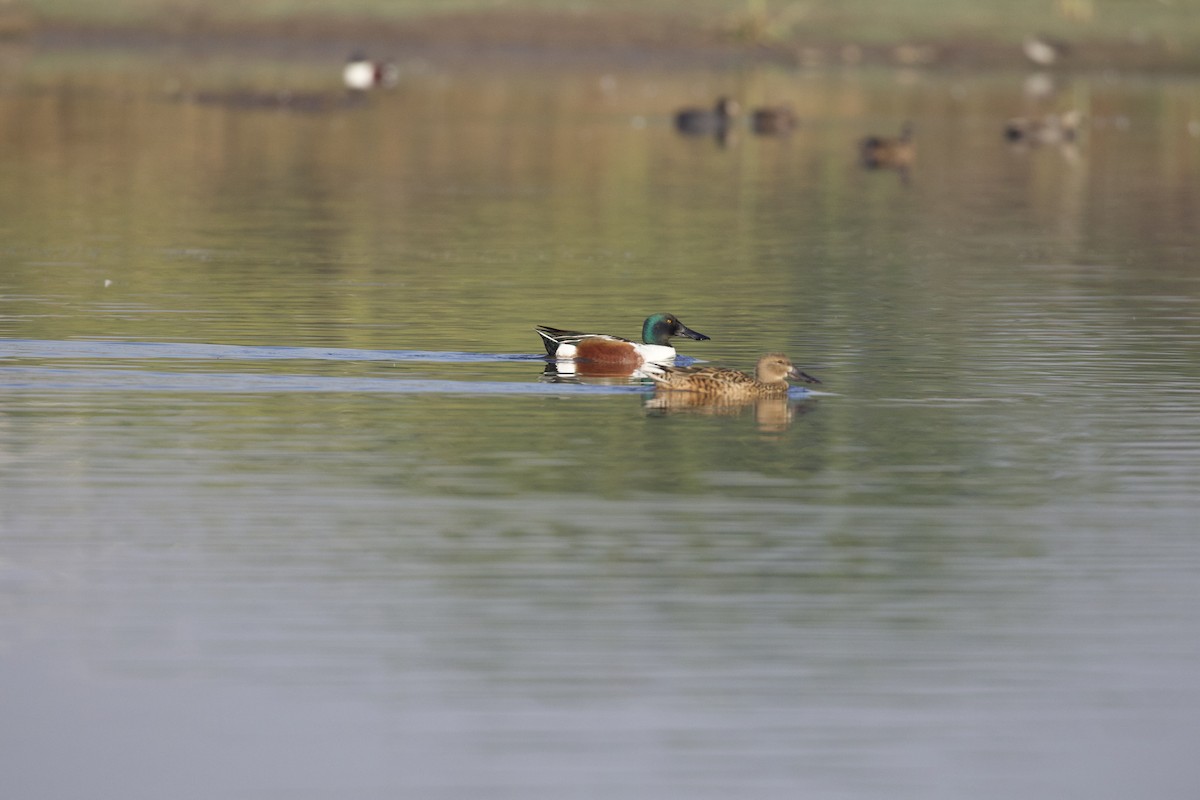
[(774, 368)]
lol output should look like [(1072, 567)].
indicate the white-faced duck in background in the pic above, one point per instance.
[(1044, 51), (361, 73)]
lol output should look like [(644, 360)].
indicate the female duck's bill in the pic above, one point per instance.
[(770, 378), (657, 331)]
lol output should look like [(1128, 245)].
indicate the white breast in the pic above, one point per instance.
[(359, 75), (656, 352)]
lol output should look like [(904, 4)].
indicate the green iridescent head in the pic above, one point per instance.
[(659, 328)]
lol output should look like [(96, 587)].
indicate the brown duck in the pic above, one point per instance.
[(773, 120), (896, 152), (770, 379)]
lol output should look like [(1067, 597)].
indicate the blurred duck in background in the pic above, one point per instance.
[(1044, 51), (361, 73), (708, 122), (1049, 129), (883, 152), (773, 120)]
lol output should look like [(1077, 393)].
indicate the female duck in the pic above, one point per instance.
[(657, 331), (895, 152), (773, 120), (770, 379)]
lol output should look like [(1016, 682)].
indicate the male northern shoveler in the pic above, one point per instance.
[(360, 73), (601, 347), (889, 152), (770, 379)]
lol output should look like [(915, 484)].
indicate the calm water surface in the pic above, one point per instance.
[(289, 509)]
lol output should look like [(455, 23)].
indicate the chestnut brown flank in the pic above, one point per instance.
[(608, 352)]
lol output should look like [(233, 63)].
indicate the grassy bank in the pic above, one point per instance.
[(1120, 33)]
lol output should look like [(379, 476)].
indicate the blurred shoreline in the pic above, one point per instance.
[(618, 39)]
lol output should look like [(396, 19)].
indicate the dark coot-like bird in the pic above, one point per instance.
[(708, 121)]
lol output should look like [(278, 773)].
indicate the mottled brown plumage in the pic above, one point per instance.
[(770, 379), (773, 120), (882, 152)]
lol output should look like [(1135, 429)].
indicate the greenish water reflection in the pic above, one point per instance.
[(969, 569)]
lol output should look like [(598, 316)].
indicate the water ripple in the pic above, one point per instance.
[(43, 379), (46, 349)]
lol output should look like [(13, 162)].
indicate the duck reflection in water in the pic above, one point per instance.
[(598, 373), (718, 391), (771, 414), (718, 122)]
